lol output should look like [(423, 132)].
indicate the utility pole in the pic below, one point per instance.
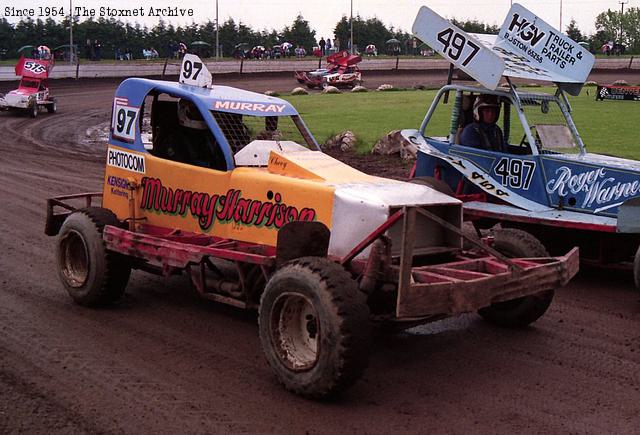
[(622, 3), (351, 39), (217, 34), (71, 50), (561, 31)]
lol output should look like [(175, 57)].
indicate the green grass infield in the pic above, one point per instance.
[(606, 127)]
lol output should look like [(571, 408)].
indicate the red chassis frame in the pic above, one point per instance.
[(470, 281)]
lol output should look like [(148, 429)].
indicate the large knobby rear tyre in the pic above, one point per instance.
[(520, 312), (92, 275), (314, 327), (636, 269)]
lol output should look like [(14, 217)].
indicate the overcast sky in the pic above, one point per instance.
[(323, 14)]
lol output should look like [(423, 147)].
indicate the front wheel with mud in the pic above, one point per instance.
[(92, 275), (314, 327), (520, 312), (33, 110), (52, 107)]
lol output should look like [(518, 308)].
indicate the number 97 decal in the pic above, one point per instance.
[(123, 123), (191, 70), (515, 173)]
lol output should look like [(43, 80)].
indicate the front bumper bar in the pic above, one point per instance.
[(471, 284)]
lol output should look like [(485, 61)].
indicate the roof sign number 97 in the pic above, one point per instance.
[(454, 44), (191, 70)]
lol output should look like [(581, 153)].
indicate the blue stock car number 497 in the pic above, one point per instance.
[(538, 178)]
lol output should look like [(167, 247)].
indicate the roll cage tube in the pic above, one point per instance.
[(306, 133), (514, 99), (566, 111)]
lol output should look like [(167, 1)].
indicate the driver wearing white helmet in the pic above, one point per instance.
[(483, 133)]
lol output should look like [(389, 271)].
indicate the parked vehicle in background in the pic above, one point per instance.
[(341, 71)]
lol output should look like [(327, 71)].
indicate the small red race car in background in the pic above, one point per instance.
[(33, 91), (342, 71)]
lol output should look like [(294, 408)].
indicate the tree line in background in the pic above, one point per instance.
[(123, 36)]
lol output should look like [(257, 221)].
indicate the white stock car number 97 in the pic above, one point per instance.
[(453, 44)]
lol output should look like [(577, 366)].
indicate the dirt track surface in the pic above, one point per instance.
[(163, 361)]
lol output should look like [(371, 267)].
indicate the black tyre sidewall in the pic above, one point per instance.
[(521, 312), (327, 376), (89, 293), (435, 184), (636, 269), (108, 272)]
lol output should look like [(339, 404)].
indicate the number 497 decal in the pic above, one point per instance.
[(515, 173)]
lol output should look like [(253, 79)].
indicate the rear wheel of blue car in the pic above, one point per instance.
[(314, 327), (636, 269), (519, 312), (92, 275), (435, 184)]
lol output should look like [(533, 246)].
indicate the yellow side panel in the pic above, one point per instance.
[(247, 204), (316, 165)]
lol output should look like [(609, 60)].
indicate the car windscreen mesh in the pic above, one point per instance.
[(543, 112), (241, 130)]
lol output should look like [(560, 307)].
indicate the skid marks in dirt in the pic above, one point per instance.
[(100, 375)]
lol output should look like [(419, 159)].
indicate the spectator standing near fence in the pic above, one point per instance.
[(97, 50), (300, 52), (322, 44), (88, 50)]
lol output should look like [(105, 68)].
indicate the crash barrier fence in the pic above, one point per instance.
[(172, 67)]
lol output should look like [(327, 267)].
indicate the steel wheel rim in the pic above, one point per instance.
[(74, 258), (295, 330)]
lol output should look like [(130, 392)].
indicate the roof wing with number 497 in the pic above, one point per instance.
[(459, 48), (526, 47)]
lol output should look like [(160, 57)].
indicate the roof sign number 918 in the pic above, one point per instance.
[(454, 44)]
